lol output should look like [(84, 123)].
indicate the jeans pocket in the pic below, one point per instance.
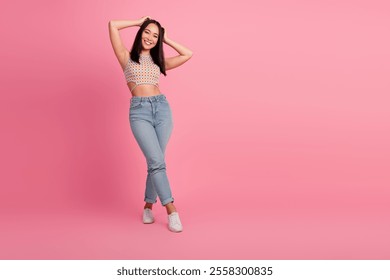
[(135, 105), (164, 100)]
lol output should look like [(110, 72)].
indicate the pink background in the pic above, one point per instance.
[(280, 147)]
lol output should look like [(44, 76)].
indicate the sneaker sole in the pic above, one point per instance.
[(177, 231)]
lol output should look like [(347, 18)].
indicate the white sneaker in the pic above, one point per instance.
[(147, 216), (174, 223)]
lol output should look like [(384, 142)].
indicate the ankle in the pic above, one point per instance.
[(170, 208), (148, 205)]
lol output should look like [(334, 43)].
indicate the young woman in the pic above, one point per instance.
[(150, 113)]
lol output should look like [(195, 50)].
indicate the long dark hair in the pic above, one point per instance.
[(156, 52)]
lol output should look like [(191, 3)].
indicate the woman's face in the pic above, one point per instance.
[(150, 36)]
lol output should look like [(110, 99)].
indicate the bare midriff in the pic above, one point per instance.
[(143, 90)]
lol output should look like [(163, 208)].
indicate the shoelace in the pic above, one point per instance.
[(148, 212), (174, 219)]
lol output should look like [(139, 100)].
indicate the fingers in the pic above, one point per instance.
[(143, 19)]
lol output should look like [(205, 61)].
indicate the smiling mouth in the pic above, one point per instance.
[(147, 43)]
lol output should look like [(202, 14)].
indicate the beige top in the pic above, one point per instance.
[(147, 72)]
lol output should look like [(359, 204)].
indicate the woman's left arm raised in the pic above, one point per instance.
[(175, 61)]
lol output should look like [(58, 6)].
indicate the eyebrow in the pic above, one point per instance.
[(151, 31)]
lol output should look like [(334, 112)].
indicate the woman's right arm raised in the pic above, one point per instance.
[(116, 41)]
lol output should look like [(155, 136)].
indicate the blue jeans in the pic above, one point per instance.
[(151, 124)]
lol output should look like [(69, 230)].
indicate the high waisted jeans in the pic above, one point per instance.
[(151, 124)]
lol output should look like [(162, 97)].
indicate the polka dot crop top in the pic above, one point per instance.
[(147, 72)]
